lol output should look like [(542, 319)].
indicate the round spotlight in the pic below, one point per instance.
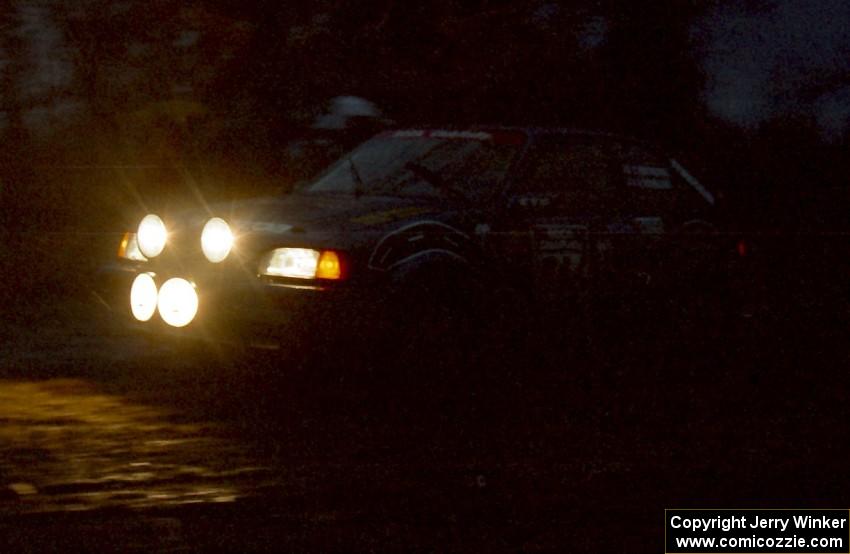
[(143, 297), (152, 235), (178, 302), (216, 240)]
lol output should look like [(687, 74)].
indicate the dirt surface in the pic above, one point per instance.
[(110, 442)]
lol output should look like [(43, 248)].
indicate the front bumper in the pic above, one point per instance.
[(250, 312)]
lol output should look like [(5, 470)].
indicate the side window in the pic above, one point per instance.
[(475, 168), (652, 185), (571, 175), (649, 183)]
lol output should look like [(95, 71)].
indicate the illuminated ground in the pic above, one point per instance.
[(108, 443)]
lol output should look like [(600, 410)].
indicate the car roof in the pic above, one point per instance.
[(532, 132)]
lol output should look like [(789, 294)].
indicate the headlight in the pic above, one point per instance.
[(143, 297), (302, 263), (216, 240), (129, 248), (152, 235)]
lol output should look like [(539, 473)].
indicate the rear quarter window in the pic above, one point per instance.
[(651, 183)]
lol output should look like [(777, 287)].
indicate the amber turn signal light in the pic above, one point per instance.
[(329, 266)]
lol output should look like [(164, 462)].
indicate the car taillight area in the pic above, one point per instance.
[(742, 248)]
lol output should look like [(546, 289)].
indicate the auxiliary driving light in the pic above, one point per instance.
[(143, 297), (216, 240), (178, 302), (152, 235)]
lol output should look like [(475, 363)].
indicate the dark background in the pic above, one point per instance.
[(106, 107)]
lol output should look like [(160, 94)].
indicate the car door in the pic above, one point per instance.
[(562, 198), (637, 236), (662, 220)]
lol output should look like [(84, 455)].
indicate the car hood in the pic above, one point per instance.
[(313, 212), (323, 219)]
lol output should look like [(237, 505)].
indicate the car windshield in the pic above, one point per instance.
[(424, 163)]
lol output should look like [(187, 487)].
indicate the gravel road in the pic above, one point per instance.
[(109, 442)]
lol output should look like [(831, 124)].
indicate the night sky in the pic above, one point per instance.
[(760, 59), (775, 57)]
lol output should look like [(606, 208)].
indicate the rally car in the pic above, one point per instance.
[(416, 219)]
